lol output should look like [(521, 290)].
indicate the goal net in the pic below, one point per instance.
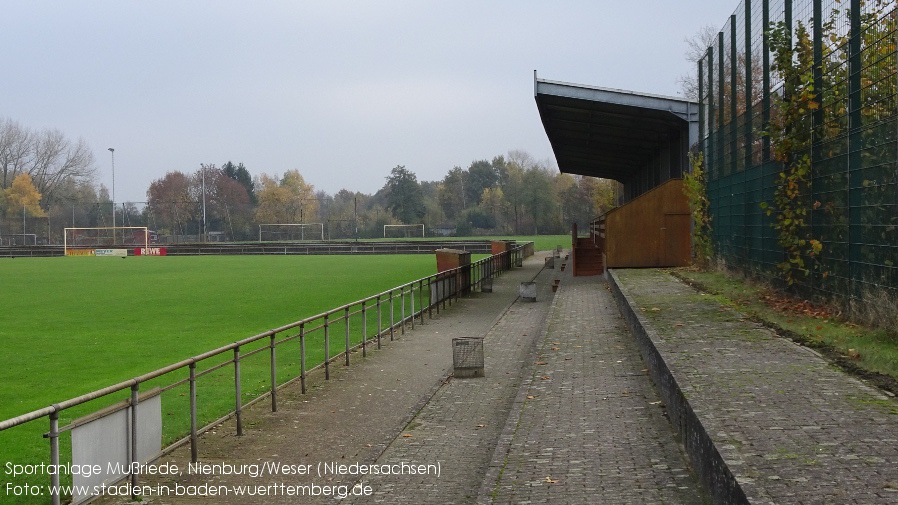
[(291, 232), (403, 230), (108, 237)]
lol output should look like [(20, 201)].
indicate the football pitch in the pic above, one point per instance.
[(72, 325)]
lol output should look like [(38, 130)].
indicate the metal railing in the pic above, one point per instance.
[(391, 311)]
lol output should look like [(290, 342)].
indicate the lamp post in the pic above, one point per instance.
[(203, 167), (112, 151)]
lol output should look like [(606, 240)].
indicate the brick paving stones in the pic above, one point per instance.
[(460, 424), (566, 412), (589, 428), (354, 416)]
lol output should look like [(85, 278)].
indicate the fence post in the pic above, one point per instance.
[(194, 442), (430, 298), (274, 380), (421, 298), (327, 348), (380, 325), (364, 329), (411, 296), (346, 323), (402, 309), (54, 453), (392, 324), (237, 394), (135, 390), (302, 356)]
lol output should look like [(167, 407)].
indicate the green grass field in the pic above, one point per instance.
[(73, 325), (78, 324)]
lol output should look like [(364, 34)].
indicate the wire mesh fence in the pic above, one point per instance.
[(845, 51)]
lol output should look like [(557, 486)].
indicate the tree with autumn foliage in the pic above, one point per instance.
[(23, 196), (170, 203), (285, 200)]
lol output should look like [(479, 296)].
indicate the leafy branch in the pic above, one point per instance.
[(695, 189), (790, 134)]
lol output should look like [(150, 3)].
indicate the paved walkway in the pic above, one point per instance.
[(789, 427), (567, 412), (589, 427), (353, 417), (574, 420)]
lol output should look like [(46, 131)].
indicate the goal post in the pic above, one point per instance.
[(279, 232), (403, 230), (105, 237)]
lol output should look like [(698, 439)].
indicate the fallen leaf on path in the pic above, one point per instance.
[(550, 480), (545, 378)]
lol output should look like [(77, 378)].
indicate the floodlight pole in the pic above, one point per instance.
[(112, 152), (203, 167)]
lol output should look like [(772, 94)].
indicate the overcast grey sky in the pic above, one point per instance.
[(343, 91)]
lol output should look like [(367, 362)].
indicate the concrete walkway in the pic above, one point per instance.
[(767, 420), (567, 411), (565, 414)]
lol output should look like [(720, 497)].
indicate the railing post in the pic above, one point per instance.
[(346, 323), (327, 348), (54, 453), (421, 298), (430, 301), (237, 395), (302, 356), (411, 296), (392, 323), (194, 442), (402, 309), (380, 325), (135, 390), (274, 380), (364, 329)]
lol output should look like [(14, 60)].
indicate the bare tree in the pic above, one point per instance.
[(696, 47), (15, 150), (51, 159), (56, 159)]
